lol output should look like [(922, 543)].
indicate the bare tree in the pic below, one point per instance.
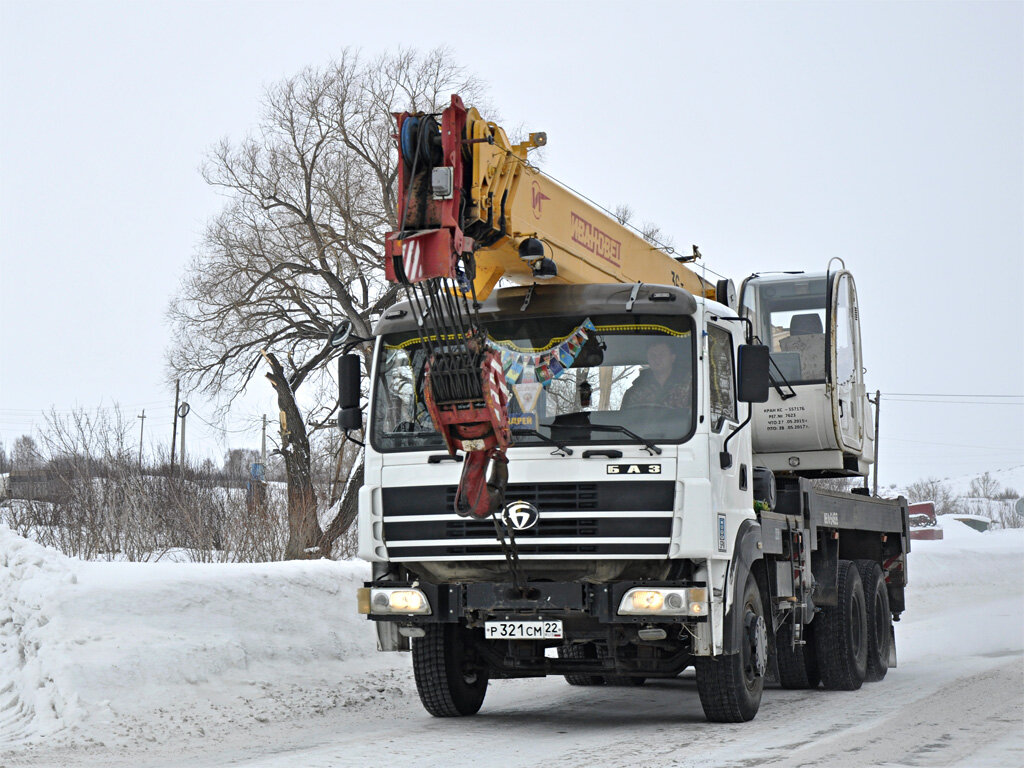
[(649, 231), (298, 246), (237, 463), (25, 454), (984, 487), (934, 490)]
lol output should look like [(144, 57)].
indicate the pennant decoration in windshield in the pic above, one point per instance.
[(542, 366)]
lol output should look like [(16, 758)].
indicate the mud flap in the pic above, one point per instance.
[(744, 556), (891, 663), (388, 638)]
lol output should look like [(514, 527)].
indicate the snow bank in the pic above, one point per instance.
[(965, 555), (35, 701), (965, 595), (91, 648), (145, 656)]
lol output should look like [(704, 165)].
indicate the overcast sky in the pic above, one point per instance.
[(775, 136)]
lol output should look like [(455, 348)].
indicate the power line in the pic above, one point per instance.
[(223, 429), (86, 410), (956, 402), (1018, 449), (935, 394)]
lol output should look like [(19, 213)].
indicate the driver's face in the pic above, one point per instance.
[(660, 357)]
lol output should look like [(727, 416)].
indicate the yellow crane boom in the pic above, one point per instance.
[(584, 242)]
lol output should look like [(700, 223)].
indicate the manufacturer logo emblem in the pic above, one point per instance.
[(537, 198), (633, 469), (520, 515)]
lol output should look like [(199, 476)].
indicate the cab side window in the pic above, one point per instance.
[(722, 379)]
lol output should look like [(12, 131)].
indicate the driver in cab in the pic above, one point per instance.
[(660, 383)]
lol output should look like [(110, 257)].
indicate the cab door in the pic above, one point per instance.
[(846, 363), (731, 485)]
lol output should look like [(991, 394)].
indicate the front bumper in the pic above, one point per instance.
[(577, 604)]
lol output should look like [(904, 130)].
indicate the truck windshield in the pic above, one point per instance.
[(565, 376)]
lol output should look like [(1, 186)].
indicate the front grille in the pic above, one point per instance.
[(599, 519), (566, 497)]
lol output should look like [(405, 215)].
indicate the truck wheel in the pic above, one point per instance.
[(448, 684), (841, 634), (730, 686), (798, 666), (580, 651), (876, 597)]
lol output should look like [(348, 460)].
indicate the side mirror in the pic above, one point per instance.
[(752, 373), (341, 333), (349, 386)]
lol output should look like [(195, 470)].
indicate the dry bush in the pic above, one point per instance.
[(108, 507), (946, 502)]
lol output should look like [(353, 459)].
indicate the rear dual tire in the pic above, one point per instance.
[(798, 665), (841, 633), (591, 651), (580, 651), (876, 599)]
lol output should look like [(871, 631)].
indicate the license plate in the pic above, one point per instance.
[(523, 630)]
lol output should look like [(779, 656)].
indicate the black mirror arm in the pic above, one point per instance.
[(352, 343), (749, 335), (725, 458), (348, 436)]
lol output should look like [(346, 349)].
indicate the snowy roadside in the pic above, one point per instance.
[(129, 654), (120, 663)]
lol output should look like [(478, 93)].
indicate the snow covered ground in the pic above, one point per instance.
[(169, 664)]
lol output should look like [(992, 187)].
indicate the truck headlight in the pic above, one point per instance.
[(393, 600), (665, 601)]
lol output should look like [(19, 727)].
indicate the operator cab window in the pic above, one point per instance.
[(791, 321)]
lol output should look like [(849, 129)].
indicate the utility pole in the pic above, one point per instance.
[(174, 421), (183, 410), (142, 429), (263, 453)]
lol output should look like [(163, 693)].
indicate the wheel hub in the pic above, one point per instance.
[(757, 635)]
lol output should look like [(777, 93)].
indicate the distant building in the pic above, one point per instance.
[(31, 485)]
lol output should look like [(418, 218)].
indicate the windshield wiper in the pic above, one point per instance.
[(550, 441), (650, 446), (581, 420)]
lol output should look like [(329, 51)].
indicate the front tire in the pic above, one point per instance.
[(730, 686), (876, 598), (841, 634), (448, 682)]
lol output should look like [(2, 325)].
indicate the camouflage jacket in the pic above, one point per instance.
[(647, 391)]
